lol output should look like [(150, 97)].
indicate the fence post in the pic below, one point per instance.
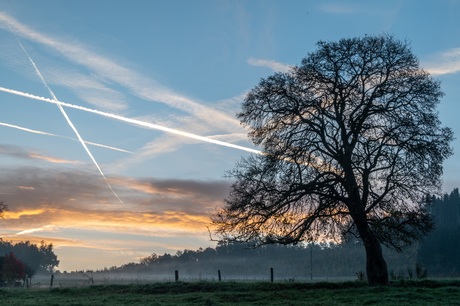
[(218, 274), (176, 275), (271, 275), (311, 261)]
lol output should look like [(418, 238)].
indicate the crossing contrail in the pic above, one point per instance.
[(316, 162), (70, 122), (64, 137), (132, 121)]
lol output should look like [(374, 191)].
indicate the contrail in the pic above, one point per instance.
[(70, 122), (317, 163), (26, 129), (63, 137), (132, 121)]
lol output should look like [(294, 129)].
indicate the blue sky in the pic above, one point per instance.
[(181, 65)]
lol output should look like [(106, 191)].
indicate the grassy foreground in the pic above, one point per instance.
[(241, 293)]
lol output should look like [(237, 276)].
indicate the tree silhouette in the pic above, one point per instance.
[(34, 257), (352, 145), (3, 207), (12, 269), (48, 260)]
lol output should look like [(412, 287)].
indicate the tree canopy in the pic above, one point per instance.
[(34, 257), (352, 144), (11, 269)]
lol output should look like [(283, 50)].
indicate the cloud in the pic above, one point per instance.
[(57, 205), (37, 239), (168, 143), (69, 198), (271, 64), (88, 87), (54, 159), (100, 79), (14, 151), (231, 105), (139, 85), (26, 187), (444, 62), (131, 121), (18, 152), (164, 223), (160, 145), (69, 121), (47, 228), (20, 214)]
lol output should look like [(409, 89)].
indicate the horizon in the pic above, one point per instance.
[(119, 121)]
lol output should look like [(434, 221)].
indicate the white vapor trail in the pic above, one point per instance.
[(64, 137), (132, 121), (317, 163), (139, 85), (70, 122)]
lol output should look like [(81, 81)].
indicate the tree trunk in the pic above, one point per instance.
[(376, 266)]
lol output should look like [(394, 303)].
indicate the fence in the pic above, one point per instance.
[(80, 279)]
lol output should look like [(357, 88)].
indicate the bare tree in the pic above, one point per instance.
[(3, 207), (352, 145)]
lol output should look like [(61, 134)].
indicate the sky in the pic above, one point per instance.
[(134, 159)]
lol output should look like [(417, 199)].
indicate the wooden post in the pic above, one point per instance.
[(271, 275), (311, 261), (176, 275), (218, 274), (52, 279)]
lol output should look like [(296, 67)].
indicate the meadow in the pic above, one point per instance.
[(426, 292)]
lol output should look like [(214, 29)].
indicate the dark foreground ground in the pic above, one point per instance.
[(240, 293)]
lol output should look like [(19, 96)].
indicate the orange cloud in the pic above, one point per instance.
[(19, 214), (141, 223), (38, 239), (73, 209), (54, 159), (26, 187)]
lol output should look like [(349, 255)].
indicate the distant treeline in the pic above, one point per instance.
[(239, 261), (437, 254)]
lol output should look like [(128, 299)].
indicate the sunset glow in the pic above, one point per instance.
[(139, 101)]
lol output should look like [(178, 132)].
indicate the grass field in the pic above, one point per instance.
[(240, 293)]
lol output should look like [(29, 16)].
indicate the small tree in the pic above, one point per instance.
[(12, 269), (48, 260), (3, 208), (352, 145)]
